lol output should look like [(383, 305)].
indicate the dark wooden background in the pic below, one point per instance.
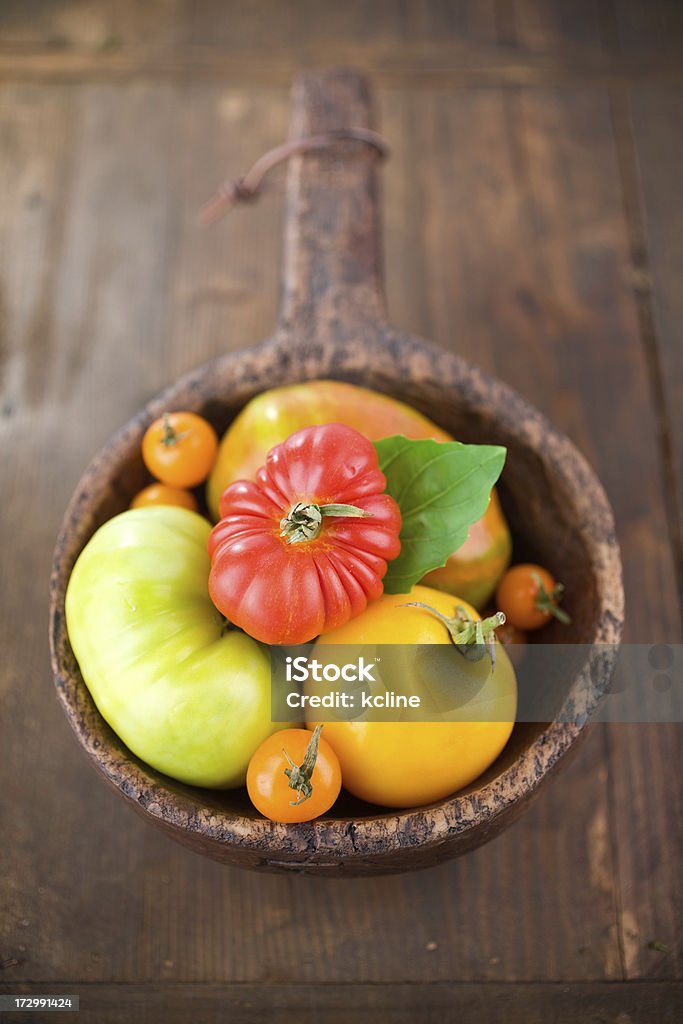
[(533, 223)]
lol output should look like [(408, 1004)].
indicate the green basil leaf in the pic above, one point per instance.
[(441, 489)]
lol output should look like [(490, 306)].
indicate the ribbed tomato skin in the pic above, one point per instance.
[(284, 593)]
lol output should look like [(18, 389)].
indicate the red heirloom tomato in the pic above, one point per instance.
[(304, 548)]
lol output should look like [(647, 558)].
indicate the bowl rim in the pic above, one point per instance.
[(389, 831)]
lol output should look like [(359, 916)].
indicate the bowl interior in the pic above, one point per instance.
[(533, 491)]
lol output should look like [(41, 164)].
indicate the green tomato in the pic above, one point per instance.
[(188, 698)]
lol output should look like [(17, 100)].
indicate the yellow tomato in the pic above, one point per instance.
[(271, 417), (408, 763)]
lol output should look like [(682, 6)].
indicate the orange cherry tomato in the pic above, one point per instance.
[(294, 776), (164, 494), (529, 596), (180, 449)]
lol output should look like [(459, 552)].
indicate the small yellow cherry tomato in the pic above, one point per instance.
[(164, 494)]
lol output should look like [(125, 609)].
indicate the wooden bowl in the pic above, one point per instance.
[(333, 324)]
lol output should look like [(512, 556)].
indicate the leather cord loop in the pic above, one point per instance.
[(244, 189)]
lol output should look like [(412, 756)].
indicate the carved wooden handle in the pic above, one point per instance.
[(333, 266)]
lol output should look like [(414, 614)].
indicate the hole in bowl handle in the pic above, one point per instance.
[(332, 265)]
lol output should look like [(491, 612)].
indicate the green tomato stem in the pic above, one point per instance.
[(300, 775), (475, 638), (304, 521), (171, 436), (549, 603)]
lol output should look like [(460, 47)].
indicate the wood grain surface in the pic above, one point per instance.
[(531, 210)]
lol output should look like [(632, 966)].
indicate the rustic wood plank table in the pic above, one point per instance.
[(532, 223)]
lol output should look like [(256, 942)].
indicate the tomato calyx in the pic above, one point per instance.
[(473, 639), (171, 435), (548, 603), (305, 520), (300, 775)]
